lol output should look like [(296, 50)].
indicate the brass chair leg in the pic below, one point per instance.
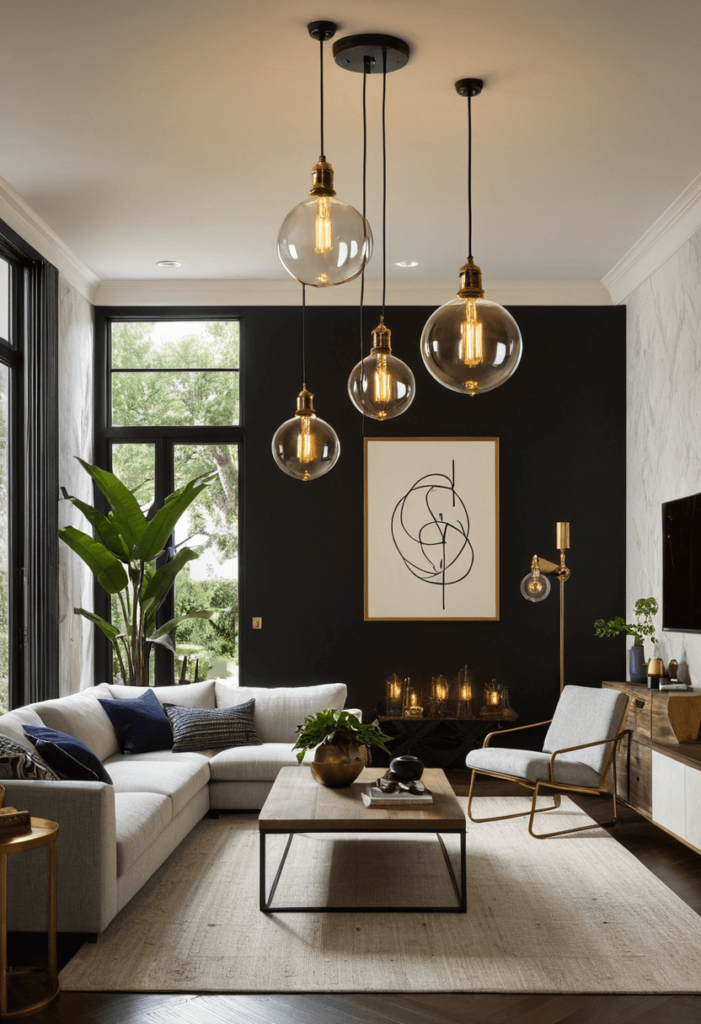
[(503, 817), (566, 831)]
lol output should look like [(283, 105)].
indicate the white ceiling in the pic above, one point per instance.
[(143, 130)]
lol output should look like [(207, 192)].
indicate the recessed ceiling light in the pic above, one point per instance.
[(407, 263), (169, 264)]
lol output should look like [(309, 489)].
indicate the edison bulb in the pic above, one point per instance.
[(381, 386), (535, 588), (324, 241), (470, 344), (305, 447)]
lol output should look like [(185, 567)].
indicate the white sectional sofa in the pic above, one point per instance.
[(113, 837)]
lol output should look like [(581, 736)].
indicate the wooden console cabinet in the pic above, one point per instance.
[(664, 783)]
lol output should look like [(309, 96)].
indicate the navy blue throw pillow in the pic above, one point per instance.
[(67, 755), (140, 723)]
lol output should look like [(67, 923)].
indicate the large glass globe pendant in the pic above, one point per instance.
[(381, 386), (305, 447), (323, 241), (471, 345)]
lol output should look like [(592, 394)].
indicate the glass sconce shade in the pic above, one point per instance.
[(324, 242), (381, 386), (535, 588), (471, 345), (305, 447)]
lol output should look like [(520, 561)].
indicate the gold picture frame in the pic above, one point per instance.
[(431, 529)]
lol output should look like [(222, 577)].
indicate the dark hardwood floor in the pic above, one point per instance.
[(676, 865)]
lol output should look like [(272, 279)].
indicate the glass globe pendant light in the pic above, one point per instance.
[(323, 241), (380, 385), (305, 447), (471, 345)]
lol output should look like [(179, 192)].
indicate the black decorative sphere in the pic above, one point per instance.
[(407, 768)]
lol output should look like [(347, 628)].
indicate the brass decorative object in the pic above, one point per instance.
[(536, 586), (331, 767)]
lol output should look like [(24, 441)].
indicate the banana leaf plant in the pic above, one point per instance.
[(123, 555)]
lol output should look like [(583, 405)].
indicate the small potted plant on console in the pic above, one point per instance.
[(340, 739), (645, 608)]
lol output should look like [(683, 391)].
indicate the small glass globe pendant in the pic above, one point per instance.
[(471, 345), (305, 447), (381, 386), (323, 241), (535, 587)]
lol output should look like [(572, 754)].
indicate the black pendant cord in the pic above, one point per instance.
[(384, 183), (304, 335), (321, 91), (366, 72), (469, 175)]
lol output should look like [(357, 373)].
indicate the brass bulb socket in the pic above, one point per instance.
[(381, 338), (470, 281), (305, 405), (322, 179)]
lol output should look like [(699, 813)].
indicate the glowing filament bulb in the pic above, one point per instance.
[(306, 440), (382, 381), (471, 336), (323, 225)]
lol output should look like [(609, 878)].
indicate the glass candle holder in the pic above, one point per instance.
[(413, 709), (493, 704), (437, 700), (463, 693), (393, 696)]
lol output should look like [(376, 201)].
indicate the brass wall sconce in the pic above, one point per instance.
[(536, 586)]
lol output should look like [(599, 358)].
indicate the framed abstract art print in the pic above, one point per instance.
[(432, 528)]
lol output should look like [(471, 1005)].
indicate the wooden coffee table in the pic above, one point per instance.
[(297, 803)]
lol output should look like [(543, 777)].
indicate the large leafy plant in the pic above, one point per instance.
[(131, 558), (645, 608), (340, 728)]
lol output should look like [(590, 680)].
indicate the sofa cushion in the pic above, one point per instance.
[(82, 716), (140, 818), (140, 724), (178, 780), (253, 764), (585, 714), (529, 764), (18, 761), (203, 728), (280, 709), (67, 755), (11, 724), (187, 695)]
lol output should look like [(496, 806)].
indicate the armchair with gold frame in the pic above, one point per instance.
[(595, 718)]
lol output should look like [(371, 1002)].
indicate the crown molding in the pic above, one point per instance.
[(175, 292), (30, 226), (674, 227)]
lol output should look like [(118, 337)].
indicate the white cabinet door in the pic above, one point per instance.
[(693, 806), (669, 793)]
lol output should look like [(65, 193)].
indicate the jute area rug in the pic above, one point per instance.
[(577, 914)]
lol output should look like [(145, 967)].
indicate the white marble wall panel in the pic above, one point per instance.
[(664, 427), (75, 438)]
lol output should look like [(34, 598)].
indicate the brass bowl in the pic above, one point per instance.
[(332, 768)]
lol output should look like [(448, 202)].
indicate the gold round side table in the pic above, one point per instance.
[(20, 986)]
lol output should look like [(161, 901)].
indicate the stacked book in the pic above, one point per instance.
[(14, 823), (374, 797)]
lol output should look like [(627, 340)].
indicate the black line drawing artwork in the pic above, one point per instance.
[(430, 528)]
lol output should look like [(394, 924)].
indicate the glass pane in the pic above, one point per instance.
[(169, 399), (210, 526), (189, 398), (190, 344), (5, 301), (134, 465), (4, 539)]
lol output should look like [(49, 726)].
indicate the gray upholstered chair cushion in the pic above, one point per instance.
[(585, 714), (529, 764)]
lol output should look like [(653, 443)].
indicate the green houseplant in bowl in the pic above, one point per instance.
[(340, 739), (645, 608)]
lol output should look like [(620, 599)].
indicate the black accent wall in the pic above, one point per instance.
[(561, 424)]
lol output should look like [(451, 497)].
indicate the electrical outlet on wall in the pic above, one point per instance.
[(257, 622)]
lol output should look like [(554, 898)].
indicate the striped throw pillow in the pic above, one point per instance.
[(204, 728)]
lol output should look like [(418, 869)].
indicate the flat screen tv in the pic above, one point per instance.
[(681, 565)]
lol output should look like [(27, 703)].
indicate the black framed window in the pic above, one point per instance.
[(168, 408), (28, 473)]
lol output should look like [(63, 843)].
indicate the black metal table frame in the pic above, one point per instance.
[(266, 903)]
